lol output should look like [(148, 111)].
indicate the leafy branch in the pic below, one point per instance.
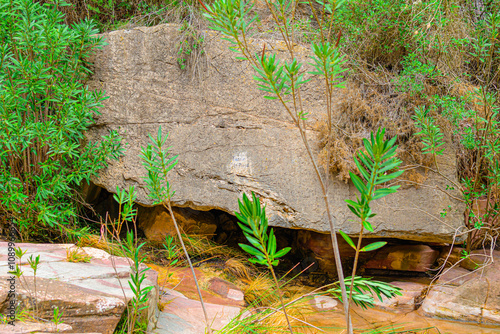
[(254, 224), (282, 81), (158, 161), (377, 166)]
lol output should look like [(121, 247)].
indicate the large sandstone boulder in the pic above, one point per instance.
[(230, 140)]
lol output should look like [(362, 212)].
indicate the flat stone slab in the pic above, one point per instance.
[(226, 289), (172, 324), (91, 296), (184, 315), (455, 276), (474, 297), (36, 327)]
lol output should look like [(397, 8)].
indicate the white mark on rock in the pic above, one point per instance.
[(235, 295), (241, 165), (102, 306)]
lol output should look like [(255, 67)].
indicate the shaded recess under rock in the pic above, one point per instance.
[(312, 250)]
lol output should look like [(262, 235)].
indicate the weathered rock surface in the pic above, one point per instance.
[(475, 297), (185, 316), (181, 311), (320, 244), (455, 276), (231, 140), (35, 328), (91, 296), (324, 303)]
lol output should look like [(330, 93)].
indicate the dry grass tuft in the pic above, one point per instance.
[(370, 101), (202, 246), (264, 314), (259, 291), (100, 243), (238, 268), (77, 255)]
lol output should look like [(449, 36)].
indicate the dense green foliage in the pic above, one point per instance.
[(45, 109)]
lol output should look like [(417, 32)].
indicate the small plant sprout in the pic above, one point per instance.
[(431, 135), (126, 213), (19, 254), (263, 247), (56, 319), (34, 262), (171, 248), (158, 162), (137, 277)]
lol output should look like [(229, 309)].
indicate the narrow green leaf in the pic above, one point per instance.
[(252, 251), (358, 183), (379, 193), (282, 252), (368, 226), (373, 246), (347, 239)]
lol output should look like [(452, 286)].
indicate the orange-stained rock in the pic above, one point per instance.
[(404, 257), (320, 244), (226, 289), (156, 222), (450, 256)]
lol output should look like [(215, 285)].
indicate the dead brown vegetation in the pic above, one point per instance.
[(370, 101)]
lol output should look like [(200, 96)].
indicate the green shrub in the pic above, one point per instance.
[(45, 109)]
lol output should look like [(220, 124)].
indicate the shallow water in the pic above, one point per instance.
[(333, 321)]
